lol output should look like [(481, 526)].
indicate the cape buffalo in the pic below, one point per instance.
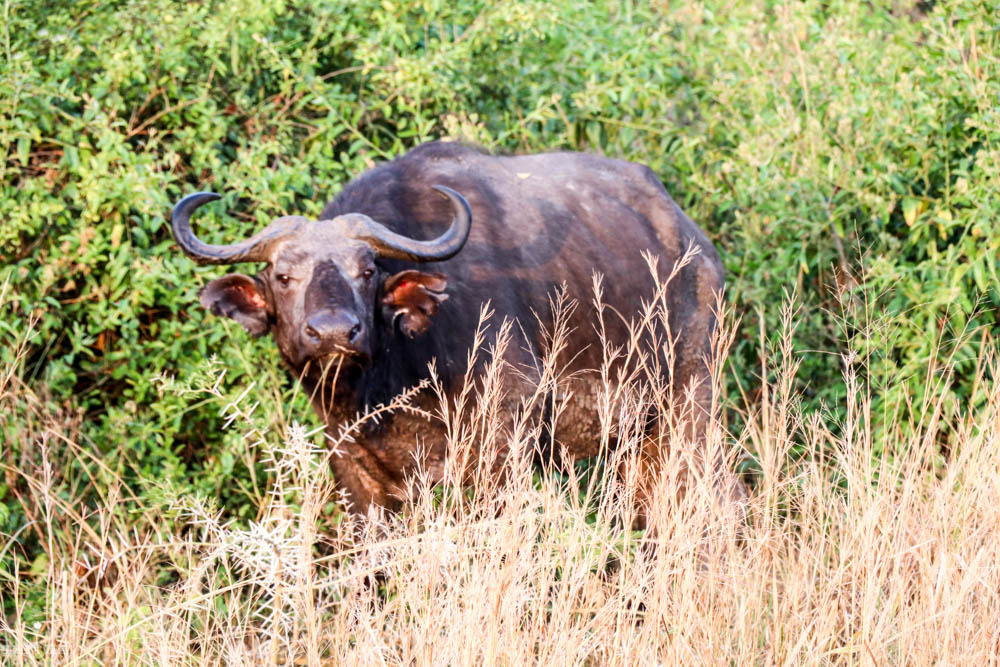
[(357, 286)]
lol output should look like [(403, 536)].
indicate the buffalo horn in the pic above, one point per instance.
[(391, 245), (253, 249)]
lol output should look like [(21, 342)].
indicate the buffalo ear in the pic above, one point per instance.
[(238, 297), (414, 298)]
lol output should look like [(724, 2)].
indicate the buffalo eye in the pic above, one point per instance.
[(367, 274), (282, 279)]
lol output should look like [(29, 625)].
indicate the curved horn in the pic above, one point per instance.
[(391, 245), (253, 249)]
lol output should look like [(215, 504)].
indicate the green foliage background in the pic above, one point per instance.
[(821, 144)]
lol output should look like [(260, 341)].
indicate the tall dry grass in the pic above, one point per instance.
[(838, 556)]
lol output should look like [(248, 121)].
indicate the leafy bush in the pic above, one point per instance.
[(832, 150)]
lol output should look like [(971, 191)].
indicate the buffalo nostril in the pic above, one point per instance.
[(329, 329)]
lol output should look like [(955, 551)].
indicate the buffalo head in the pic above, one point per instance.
[(323, 292)]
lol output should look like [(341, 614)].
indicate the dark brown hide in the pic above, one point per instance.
[(538, 222)]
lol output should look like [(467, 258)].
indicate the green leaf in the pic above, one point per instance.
[(24, 150), (912, 208)]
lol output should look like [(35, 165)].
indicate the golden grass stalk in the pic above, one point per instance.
[(839, 555)]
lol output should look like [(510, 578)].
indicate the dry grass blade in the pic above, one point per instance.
[(842, 556)]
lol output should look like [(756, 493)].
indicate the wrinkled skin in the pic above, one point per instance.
[(538, 221)]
